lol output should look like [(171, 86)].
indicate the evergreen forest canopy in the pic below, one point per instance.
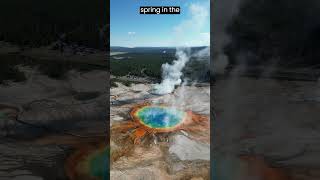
[(39, 23)]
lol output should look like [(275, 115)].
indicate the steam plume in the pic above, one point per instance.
[(171, 73)]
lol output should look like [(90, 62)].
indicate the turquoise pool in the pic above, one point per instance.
[(160, 117)]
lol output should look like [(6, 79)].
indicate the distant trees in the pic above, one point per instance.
[(37, 23), (284, 31)]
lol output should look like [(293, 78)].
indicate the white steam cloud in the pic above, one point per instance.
[(172, 73)]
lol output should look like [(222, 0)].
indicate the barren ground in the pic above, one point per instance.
[(277, 120), (172, 156)]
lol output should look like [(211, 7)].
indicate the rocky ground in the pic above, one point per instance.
[(44, 120), (178, 155), (276, 120), (264, 129)]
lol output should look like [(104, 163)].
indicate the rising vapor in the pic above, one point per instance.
[(172, 73)]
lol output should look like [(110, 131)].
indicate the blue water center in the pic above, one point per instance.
[(160, 117)]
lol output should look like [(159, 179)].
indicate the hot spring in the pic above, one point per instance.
[(159, 117)]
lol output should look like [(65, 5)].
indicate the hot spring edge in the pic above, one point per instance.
[(159, 117)]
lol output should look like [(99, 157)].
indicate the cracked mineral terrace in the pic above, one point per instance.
[(177, 154), (48, 121)]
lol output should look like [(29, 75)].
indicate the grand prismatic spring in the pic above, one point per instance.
[(150, 124), (148, 119), (159, 117)]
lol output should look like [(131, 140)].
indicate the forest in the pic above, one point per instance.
[(37, 23)]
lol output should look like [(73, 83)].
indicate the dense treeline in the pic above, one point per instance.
[(282, 32), (140, 64), (149, 65), (38, 22)]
